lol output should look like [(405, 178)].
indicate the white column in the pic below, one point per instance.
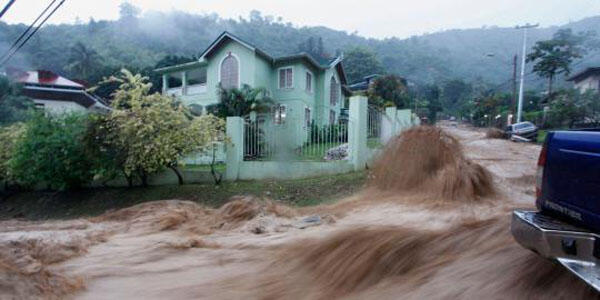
[(357, 134), (165, 83), (235, 147), (388, 126), (183, 83)]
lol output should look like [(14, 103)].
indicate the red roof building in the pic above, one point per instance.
[(56, 93)]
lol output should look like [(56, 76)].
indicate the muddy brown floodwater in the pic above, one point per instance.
[(443, 236)]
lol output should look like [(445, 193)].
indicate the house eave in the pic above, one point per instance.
[(579, 76), (182, 67)]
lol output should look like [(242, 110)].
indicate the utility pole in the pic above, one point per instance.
[(514, 94), (520, 108)]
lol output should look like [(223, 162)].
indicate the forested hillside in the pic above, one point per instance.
[(139, 42)]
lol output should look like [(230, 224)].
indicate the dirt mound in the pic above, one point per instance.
[(385, 262), (494, 133), (427, 159)]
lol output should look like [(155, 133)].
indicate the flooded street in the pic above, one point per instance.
[(377, 244)]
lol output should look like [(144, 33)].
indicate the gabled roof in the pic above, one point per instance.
[(363, 84), (80, 97), (45, 78), (226, 36), (46, 85), (579, 76), (223, 38)]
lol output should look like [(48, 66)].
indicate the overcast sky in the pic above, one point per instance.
[(371, 18)]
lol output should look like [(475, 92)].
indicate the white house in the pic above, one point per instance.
[(587, 80)]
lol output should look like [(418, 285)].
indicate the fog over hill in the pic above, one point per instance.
[(140, 42)]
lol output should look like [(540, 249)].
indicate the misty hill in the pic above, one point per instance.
[(140, 42)]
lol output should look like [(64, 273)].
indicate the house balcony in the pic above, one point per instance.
[(176, 92), (196, 89)]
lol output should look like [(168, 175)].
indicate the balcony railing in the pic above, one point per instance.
[(196, 89), (175, 91)]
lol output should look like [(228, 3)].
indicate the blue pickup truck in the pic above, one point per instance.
[(566, 225)]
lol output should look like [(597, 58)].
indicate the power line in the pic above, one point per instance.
[(6, 7), (6, 59), (26, 31)]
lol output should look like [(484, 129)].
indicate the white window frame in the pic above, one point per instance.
[(276, 109), (332, 120), (279, 78), (221, 64), (337, 92), (307, 117), (309, 73)]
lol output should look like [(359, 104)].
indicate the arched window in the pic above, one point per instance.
[(334, 92), (230, 70)]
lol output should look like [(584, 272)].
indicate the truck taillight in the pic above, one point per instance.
[(539, 178)]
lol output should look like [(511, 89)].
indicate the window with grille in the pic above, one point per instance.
[(332, 117), (286, 78), (308, 82), (334, 92), (279, 114), (307, 120), (230, 72)]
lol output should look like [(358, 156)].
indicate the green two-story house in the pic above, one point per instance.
[(305, 89)]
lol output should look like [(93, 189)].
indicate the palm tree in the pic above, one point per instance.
[(240, 102), (83, 60)]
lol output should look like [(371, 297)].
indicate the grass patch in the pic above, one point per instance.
[(374, 143), (219, 167), (542, 136), (93, 202)]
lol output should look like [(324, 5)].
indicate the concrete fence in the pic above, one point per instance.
[(359, 154)]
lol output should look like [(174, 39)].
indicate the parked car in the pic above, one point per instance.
[(525, 130), (566, 225)]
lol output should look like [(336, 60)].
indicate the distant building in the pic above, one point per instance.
[(586, 80), (364, 84), (56, 94)]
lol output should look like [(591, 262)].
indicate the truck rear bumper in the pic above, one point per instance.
[(575, 248)]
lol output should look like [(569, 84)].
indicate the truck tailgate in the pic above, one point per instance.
[(572, 176)]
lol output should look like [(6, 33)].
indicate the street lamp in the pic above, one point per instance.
[(520, 108)]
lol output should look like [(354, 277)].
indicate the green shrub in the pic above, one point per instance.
[(52, 152), (9, 136)]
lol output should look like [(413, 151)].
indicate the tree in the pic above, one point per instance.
[(454, 94), (569, 107), (13, 106), (155, 131), (51, 151), (240, 102), (431, 93), (389, 89), (128, 11), (83, 61), (314, 46), (553, 57), (360, 62)]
